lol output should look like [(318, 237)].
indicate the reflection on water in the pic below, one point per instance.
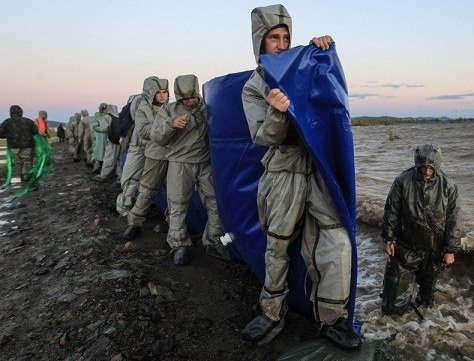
[(447, 331)]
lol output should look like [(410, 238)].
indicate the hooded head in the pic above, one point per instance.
[(186, 86), (103, 108), (43, 114), (77, 116), (16, 111), (112, 109), (265, 19), (162, 93), (150, 86), (428, 155), (84, 113)]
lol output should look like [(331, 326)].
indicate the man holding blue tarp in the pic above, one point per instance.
[(293, 199)]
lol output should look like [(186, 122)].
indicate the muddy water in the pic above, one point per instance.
[(382, 152)]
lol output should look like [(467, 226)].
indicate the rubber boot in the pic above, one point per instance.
[(132, 232), (262, 329), (181, 256), (342, 334)]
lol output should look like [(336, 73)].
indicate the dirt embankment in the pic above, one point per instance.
[(70, 289)]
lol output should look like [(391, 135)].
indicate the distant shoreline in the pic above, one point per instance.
[(387, 120)]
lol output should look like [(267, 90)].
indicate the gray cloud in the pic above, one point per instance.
[(362, 95), (452, 96), (400, 85), (375, 84)]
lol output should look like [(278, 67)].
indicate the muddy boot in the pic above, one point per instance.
[(132, 232), (262, 329), (219, 251), (99, 179), (342, 334), (181, 256)]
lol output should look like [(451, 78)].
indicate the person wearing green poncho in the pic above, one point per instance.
[(19, 132)]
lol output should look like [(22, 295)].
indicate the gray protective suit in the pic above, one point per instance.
[(111, 149), (135, 161), (189, 163), (84, 133), (292, 197), (156, 163), (423, 218)]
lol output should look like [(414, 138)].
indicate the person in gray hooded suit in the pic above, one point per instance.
[(85, 137), (156, 163), (133, 166), (292, 200), (182, 128)]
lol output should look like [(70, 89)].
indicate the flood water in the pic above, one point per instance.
[(381, 153)]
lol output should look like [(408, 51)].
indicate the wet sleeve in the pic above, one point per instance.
[(453, 230), (162, 132), (267, 125), (392, 211)]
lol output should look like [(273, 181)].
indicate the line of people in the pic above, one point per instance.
[(168, 146)]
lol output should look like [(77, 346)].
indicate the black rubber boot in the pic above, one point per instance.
[(132, 232), (181, 256), (262, 329), (342, 334)]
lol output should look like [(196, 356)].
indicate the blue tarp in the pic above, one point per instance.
[(314, 81)]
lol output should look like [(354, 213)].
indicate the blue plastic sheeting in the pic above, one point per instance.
[(314, 82), (236, 170), (319, 109)]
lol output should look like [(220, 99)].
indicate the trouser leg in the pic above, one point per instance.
[(131, 173), (207, 193), (327, 252), (281, 203), (110, 159), (180, 185), (154, 172), (398, 287), (426, 278)]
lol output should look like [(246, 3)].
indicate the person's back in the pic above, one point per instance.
[(18, 130), (19, 133), (61, 133)]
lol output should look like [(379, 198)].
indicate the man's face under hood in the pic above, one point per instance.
[(428, 155), (276, 40)]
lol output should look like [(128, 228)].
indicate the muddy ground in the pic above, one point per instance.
[(71, 290)]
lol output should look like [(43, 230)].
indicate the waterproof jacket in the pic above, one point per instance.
[(18, 130), (423, 214), (84, 130), (268, 126), (150, 85), (145, 116), (190, 144)]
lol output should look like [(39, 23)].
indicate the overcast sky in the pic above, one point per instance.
[(400, 58)]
